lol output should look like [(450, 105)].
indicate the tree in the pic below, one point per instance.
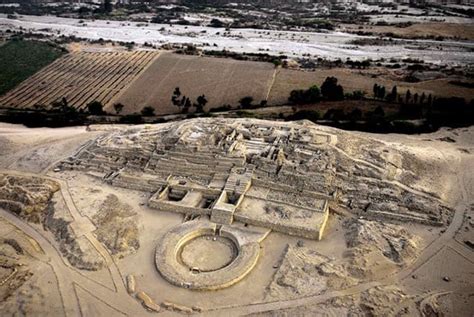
[(187, 104), (107, 6), (62, 106), (300, 96), (118, 107), (95, 108), (382, 92), (216, 23), (334, 115), (394, 91), (64, 102), (355, 115), (181, 101), (376, 91), (277, 62), (379, 112), (175, 97), (297, 96), (415, 98), (408, 96), (422, 98), (148, 111), (331, 90), (313, 94), (365, 63), (393, 95), (201, 103), (246, 102), (355, 95)]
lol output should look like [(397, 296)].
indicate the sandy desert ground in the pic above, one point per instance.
[(79, 245)]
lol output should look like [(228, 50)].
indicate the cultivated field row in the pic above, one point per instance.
[(142, 79), (80, 78)]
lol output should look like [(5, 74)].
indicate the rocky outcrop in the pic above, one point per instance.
[(117, 227)]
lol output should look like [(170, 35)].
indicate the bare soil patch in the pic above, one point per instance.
[(451, 30), (222, 81)]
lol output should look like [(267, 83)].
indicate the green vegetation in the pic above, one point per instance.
[(148, 111), (133, 118), (331, 90), (96, 108), (19, 59), (184, 102), (246, 102), (301, 96), (414, 112), (107, 6), (304, 114), (221, 108), (201, 103), (118, 107)]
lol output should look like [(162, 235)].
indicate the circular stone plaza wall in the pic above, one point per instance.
[(194, 255)]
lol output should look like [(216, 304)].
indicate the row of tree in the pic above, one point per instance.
[(381, 94), (95, 108), (434, 111), (331, 90)]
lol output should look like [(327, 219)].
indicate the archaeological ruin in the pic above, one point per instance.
[(239, 180), (215, 216)]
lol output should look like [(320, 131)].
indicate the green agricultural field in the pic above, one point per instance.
[(19, 59)]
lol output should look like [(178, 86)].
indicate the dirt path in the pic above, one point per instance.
[(67, 276), (270, 86)]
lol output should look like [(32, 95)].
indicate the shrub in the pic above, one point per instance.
[(118, 107), (304, 114), (220, 109), (246, 102), (300, 96), (95, 108), (356, 95), (147, 111), (134, 118), (334, 115), (216, 23)]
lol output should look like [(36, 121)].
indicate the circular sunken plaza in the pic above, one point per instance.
[(204, 256)]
